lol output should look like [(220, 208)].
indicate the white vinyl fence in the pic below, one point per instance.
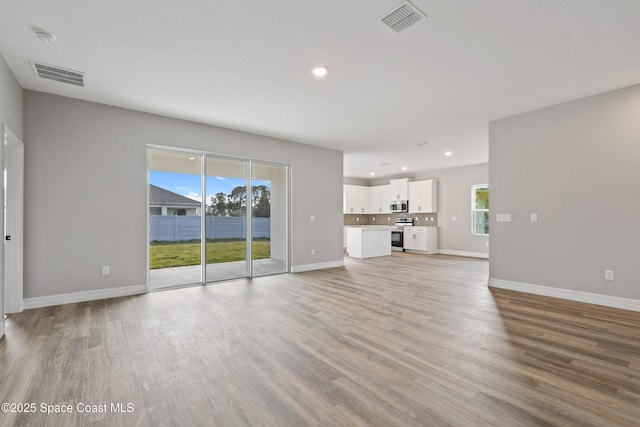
[(178, 228)]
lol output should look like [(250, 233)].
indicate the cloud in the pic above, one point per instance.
[(193, 195), (189, 192)]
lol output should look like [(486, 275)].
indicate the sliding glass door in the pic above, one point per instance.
[(269, 236), (226, 218), (214, 218), (175, 226)]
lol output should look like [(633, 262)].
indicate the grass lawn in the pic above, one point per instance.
[(178, 254)]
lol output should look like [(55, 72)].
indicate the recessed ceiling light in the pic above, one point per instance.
[(404, 168), (320, 71), (44, 36), (192, 158), (448, 153), (372, 173)]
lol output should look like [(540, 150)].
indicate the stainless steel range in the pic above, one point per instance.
[(397, 239)]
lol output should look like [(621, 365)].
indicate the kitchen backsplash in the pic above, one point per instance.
[(390, 219)]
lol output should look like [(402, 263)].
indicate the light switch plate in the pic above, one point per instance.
[(534, 217)]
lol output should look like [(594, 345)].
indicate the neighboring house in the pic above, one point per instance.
[(165, 202)]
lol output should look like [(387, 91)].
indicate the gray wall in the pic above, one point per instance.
[(358, 181), (10, 100), (81, 158), (454, 200), (577, 165)]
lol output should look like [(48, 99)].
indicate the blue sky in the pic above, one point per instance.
[(189, 185)]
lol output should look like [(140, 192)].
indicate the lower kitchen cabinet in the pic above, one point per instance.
[(422, 239)]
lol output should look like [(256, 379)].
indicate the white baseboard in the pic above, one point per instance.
[(318, 266), (598, 299), (464, 253), (83, 296)]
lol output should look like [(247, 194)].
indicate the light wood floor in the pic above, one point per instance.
[(406, 340)]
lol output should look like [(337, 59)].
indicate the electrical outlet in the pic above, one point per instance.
[(534, 217), (608, 275), (312, 218), (105, 270)]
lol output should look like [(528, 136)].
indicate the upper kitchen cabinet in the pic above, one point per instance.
[(356, 199), (399, 189), (379, 198), (423, 196)]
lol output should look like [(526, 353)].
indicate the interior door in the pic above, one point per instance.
[(13, 166), (2, 281)]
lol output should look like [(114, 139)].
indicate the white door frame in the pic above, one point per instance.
[(13, 178), (2, 250)]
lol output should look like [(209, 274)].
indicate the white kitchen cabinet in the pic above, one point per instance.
[(423, 196), (349, 194), (362, 199), (356, 199), (399, 189), (344, 238), (385, 198), (379, 199), (374, 200), (422, 239)]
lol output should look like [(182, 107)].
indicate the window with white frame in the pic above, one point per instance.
[(480, 210)]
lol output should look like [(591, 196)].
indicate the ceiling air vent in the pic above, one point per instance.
[(59, 74), (402, 16)]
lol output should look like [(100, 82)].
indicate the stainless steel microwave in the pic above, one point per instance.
[(400, 206)]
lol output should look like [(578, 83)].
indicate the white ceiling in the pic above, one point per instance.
[(246, 65)]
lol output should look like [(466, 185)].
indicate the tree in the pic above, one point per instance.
[(262, 208), (237, 200), (235, 203), (218, 205), (221, 204)]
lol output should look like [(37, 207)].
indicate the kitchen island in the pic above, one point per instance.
[(367, 241)]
